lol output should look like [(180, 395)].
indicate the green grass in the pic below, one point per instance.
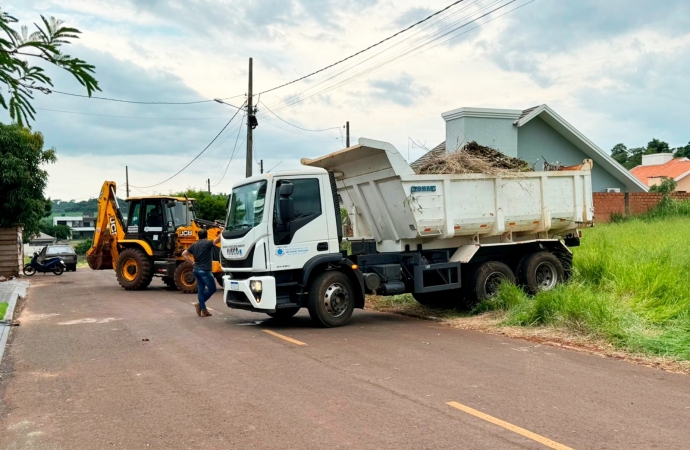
[(630, 286), (3, 309)]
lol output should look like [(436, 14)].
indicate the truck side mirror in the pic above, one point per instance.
[(286, 189), (287, 208)]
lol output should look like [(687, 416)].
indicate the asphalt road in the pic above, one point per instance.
[(94, 367)]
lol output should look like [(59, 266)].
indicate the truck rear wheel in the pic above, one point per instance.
[(331, 299), (484, 281), (284, 313), (134, 269), (185, 279), (541, 271)]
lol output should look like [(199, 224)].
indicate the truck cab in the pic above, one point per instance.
[(281, 248)]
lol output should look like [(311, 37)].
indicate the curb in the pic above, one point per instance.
[(6, 324)]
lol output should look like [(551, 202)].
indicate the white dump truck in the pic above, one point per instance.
[(449, 240)]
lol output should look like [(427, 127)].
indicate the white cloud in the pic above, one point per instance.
[(618, 76)]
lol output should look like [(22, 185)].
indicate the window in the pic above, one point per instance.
[(133, 218), (154, 217), (58, 250), (62, 222), (246, 207), (306, 198)]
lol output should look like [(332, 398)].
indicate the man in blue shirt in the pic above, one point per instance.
[(202, 251)]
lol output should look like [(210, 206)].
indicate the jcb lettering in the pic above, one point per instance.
[(186, 233), (113, 226)]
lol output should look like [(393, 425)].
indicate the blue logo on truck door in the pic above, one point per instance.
[(422, 189)]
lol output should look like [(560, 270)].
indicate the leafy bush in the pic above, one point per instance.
[(83, 247)]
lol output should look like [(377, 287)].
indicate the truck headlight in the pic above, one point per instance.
[(255, 286)]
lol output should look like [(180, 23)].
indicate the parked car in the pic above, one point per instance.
[(63, 251)]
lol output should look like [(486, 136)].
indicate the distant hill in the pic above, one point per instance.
[(89, 206)]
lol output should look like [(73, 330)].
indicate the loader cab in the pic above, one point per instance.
[(155, 219)]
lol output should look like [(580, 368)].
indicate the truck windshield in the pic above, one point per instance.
[(246, 206)]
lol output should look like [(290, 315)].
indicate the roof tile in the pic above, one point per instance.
[(672, 169)]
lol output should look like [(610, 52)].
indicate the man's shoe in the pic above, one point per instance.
[(205, 313), (198, 309)]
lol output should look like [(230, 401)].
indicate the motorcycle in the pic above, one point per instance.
[(54, 265)]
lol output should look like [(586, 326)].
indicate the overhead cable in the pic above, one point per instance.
[(364, 50), (196, 157), (52, 91), (232, 155)]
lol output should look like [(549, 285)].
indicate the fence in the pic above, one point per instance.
[(628, 203), (10, 251)]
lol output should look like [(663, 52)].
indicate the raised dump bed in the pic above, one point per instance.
[(390, 204)]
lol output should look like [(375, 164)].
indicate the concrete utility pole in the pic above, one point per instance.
[(262, 166), (250, 113), (208, 183), (347, 134), (127, 179)]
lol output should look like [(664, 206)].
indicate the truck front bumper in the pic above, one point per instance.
[(238, 294)]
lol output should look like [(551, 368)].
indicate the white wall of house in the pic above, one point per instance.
[(490, 127)]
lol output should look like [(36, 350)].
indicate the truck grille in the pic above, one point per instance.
[(238, 263)]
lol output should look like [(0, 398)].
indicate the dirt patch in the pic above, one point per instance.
[(491, 323)]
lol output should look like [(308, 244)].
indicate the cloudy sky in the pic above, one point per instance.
[(617, 69)]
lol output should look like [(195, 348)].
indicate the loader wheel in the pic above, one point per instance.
[(134, 269), (485, 280), (541, 271), (170, 282), (184, 278), (331, 299)]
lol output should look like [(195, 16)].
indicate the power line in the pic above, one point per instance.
[(129, 117), (416, 48), (195, 158), (51, 91), (364, 50), (293, 125), (232, 155)]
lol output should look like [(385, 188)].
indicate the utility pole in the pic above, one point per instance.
[(347, 134), (262, 166), (208, 183), (250, 114), (127, 179)]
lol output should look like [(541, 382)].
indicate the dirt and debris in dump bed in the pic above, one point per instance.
[(473, 158)]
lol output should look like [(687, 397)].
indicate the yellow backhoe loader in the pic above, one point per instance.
[(149, 241)]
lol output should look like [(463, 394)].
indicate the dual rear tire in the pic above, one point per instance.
[(536, 272)]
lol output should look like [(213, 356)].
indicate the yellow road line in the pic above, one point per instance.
[(285, 338), (509, 426)]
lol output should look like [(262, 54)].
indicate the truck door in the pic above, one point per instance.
[(297, 240)]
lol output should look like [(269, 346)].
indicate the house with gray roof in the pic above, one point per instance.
[(537, 135)]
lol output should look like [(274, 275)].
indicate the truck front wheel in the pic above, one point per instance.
[(331, 299), (485, 280), (540, 271), (134, 269)]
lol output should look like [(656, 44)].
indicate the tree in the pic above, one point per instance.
[(83, 247), (683, 152), (22, 78), (22, 180), (209, 206), (620, 153), (634, 157), (666, 186), (657, 146)]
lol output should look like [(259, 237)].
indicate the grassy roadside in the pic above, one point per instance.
[(629, 289), (3, 309)]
